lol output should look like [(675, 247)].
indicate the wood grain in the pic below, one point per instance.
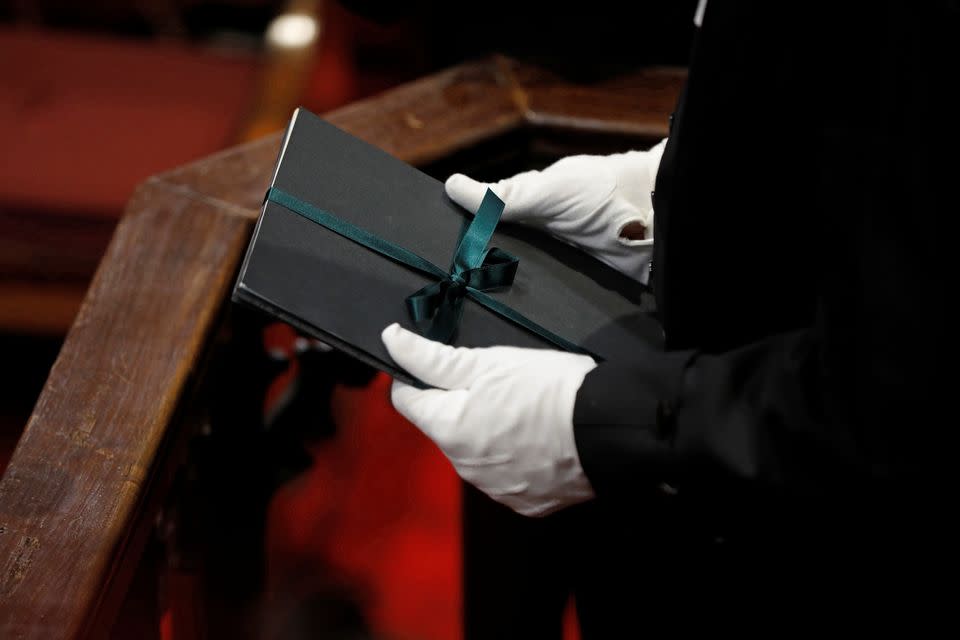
[(638, 105), (71, 491), (79, 485)]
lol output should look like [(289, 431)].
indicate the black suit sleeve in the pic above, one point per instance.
[(758, 413), (775, 418), (853, 401)]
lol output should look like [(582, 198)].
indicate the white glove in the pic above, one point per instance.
[(502, 415), (601, 204)]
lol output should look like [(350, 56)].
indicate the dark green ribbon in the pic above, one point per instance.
[(437, 308)]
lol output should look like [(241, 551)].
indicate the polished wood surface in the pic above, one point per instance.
[(76, 481), (81, 486)]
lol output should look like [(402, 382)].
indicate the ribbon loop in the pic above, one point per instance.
[(475, 268), (498, 269)]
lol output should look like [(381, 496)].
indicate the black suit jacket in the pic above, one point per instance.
[(800, 273)]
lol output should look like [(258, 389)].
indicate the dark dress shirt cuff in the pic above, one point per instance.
[(625, 423)]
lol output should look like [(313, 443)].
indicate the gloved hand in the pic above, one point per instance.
[(601, 204), (502, 415)]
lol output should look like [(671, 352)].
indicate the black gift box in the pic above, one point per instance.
[(345, 294)]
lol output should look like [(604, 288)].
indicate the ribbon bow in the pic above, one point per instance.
[(437, 308)]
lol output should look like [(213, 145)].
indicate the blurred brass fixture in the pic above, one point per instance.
[(291, 42)]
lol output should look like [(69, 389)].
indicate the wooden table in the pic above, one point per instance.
[(79, 500)]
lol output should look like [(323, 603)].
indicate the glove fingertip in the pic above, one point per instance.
[(421, 357), (465, 191), (390, 332), (401, 395), (395, 337)]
